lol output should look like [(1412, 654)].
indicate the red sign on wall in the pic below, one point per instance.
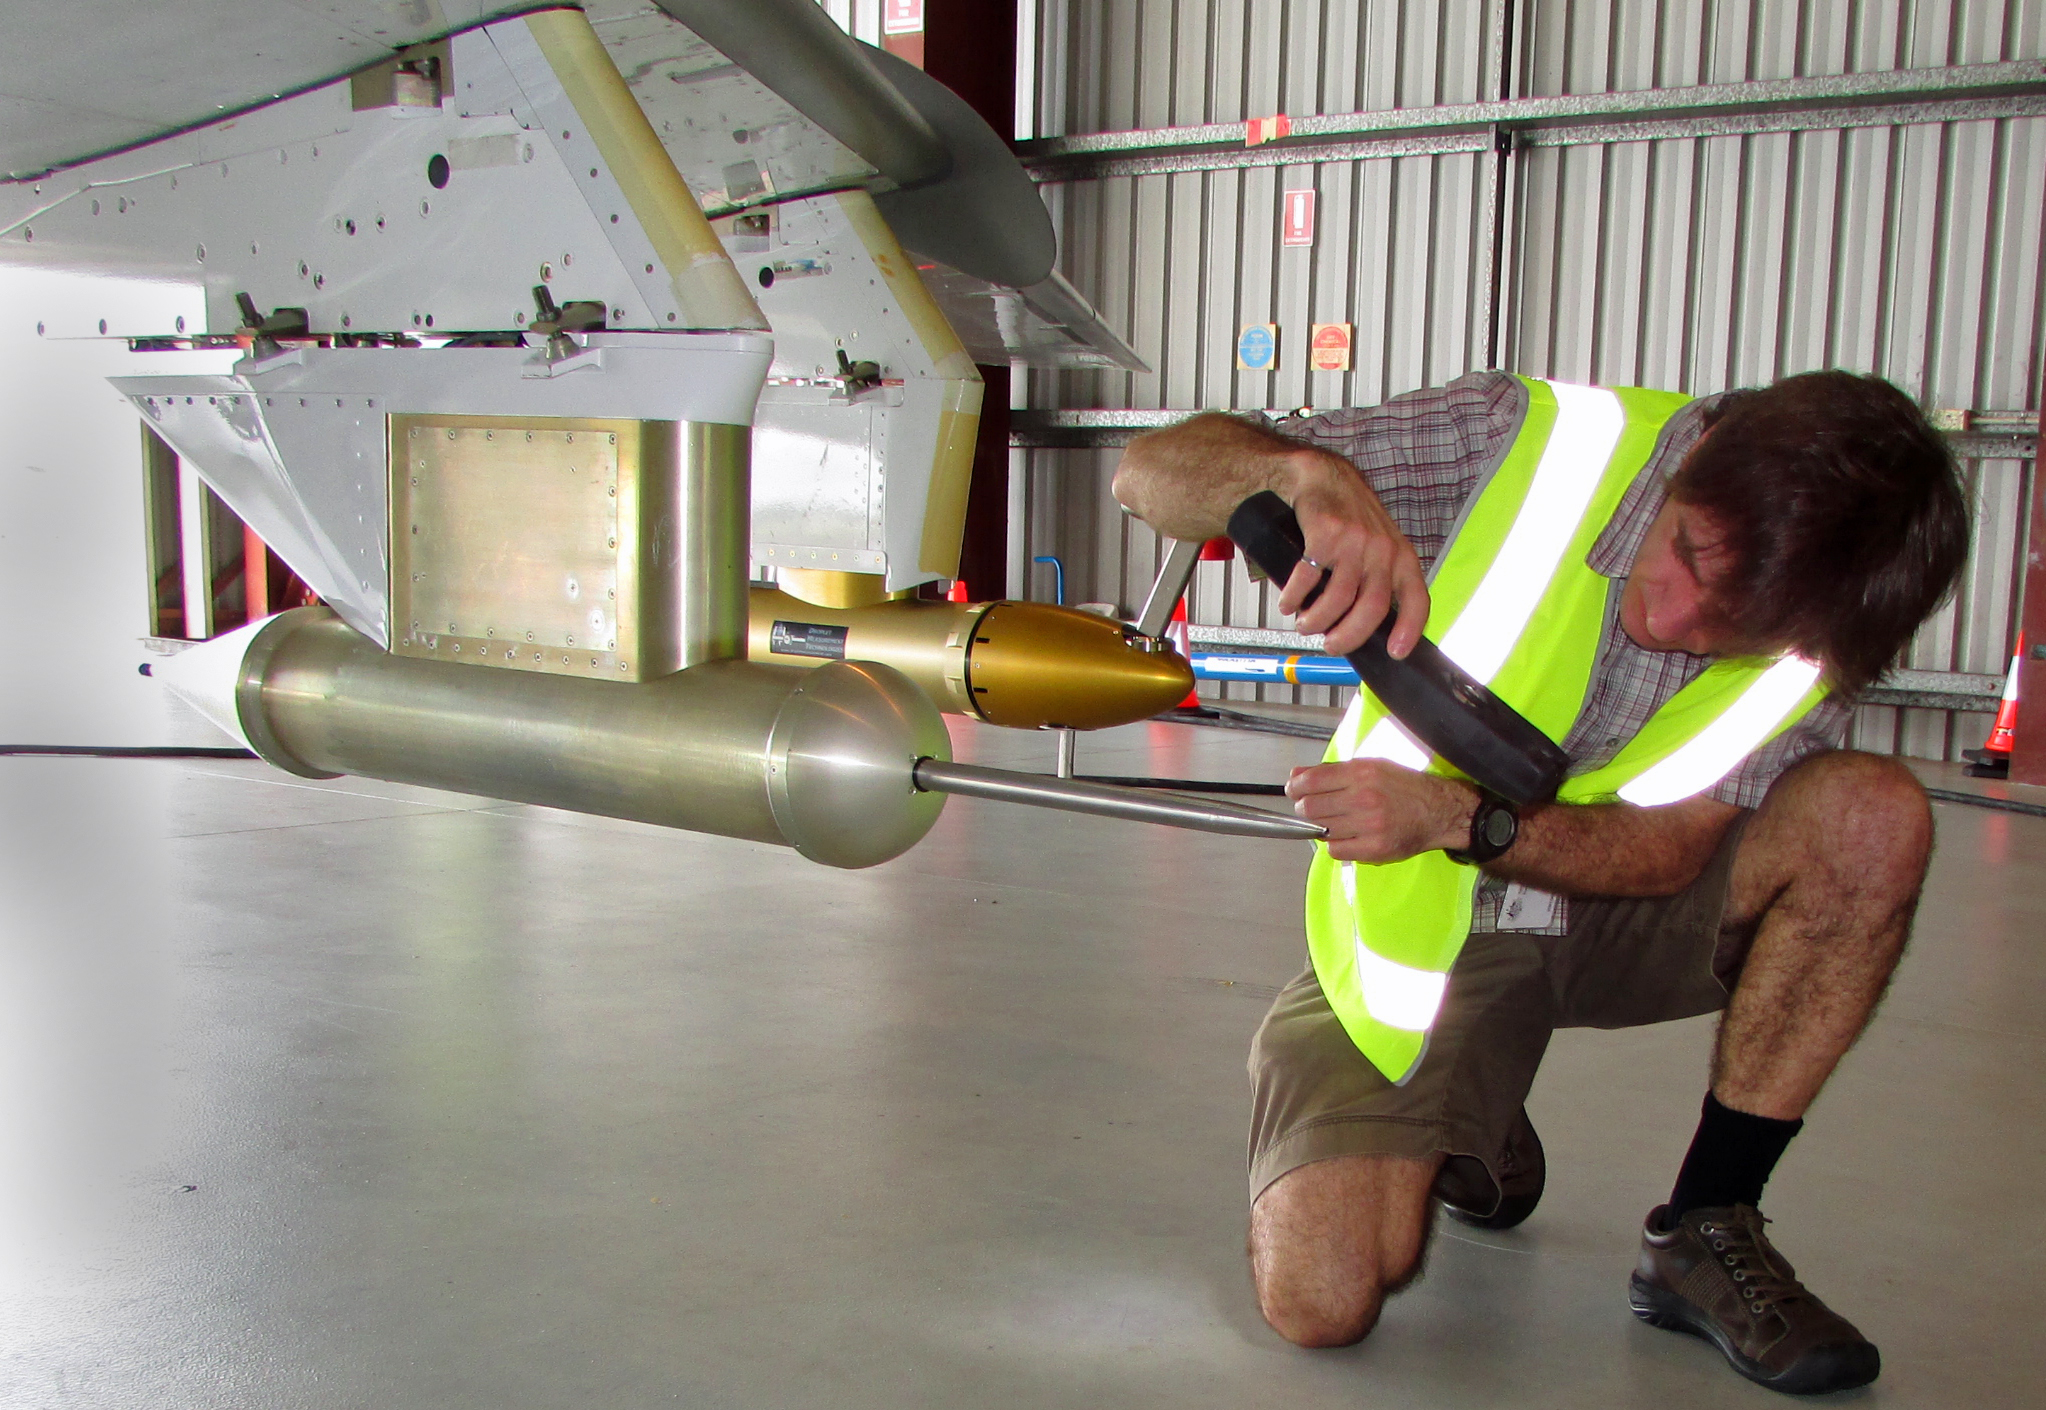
[(1296, 226), (1328, 347), (902, 16)]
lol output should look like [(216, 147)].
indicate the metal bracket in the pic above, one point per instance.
[(1173, 575), (263, 332)]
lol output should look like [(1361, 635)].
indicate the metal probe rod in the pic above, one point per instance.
[(1107, 801)]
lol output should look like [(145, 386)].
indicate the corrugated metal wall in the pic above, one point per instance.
[(1698, 262)]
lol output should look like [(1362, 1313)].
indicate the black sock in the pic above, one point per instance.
[(1729, 1161)]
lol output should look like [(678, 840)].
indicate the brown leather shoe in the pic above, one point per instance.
[(1470, 1196), (1715, 1275)]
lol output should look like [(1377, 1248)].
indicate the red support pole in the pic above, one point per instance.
[(970, 47), (255, 574), (2028, 756)]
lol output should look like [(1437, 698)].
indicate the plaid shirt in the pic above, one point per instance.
[(1426, 453)]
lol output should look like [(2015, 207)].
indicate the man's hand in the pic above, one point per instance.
[(1370, 564), (1376, 811), (1185, 480)]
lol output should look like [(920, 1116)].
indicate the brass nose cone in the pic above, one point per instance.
[(1034, 665)]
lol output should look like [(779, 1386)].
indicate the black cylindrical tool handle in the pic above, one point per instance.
[(1446, 708)]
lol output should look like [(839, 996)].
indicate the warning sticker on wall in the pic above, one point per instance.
[(1257, 347), (807, 639), (1296, 227), (1328, 347), (1259, 131), (902, 17)]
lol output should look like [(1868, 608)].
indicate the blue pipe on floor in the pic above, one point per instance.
[(1272, 668)]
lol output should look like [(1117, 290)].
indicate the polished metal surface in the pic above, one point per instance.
[(1036, 664), (613, 549), (926, 641), (702, 547), (1027, 665), (1182, 556), (818, 760), (1109, 801), (841, 761)]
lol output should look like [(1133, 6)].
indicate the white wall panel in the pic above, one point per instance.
[(1698, 263)]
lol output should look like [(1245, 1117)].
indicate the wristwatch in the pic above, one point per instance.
[(1493, 827)]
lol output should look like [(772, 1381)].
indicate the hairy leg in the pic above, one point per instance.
[(1331, 1240), (1825, 883)]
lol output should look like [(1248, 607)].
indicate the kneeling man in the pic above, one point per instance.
[(1686, 594)]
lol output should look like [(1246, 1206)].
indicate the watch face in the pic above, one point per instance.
[(1499, 827)]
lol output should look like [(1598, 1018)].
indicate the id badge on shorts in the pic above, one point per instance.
[(1524, 908)]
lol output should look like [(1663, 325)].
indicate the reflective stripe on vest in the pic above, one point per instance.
[(1514, 602)]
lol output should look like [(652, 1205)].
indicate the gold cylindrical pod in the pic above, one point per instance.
[(822, 760), (1028, 665)]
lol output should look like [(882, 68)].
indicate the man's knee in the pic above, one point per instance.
[(1330, 1241), (1863, 816)]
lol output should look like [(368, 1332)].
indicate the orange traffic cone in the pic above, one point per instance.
[(957, 592), (1992, 760)]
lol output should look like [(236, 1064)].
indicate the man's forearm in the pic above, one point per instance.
[(1377, 811), (1614, 849), (1184, 480)]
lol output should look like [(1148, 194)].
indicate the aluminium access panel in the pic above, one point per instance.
[(517, 542)]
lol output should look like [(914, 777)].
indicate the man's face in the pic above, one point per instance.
[(1667, 604)]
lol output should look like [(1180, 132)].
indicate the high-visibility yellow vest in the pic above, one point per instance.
[(1514, 602)]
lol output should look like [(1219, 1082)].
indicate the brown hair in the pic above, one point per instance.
[(1846, 524)]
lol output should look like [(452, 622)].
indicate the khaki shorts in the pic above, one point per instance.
[(1627, 961)]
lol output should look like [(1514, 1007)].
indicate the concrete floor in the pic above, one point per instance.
[(348, 1095)]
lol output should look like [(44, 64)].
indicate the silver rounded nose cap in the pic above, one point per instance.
[(842, 761)]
